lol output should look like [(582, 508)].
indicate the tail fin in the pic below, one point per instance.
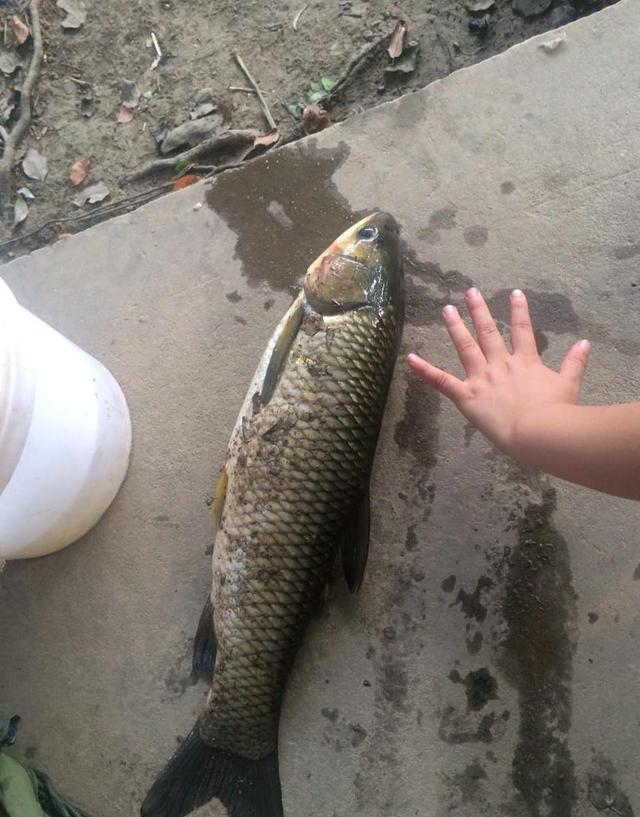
[(198, 772)]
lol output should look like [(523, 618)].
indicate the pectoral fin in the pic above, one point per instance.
[(285, 335), (355, 544), (205, 646)]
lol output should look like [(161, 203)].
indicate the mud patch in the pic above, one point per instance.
[(540, 615)]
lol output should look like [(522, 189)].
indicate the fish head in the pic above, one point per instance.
[(362, 267)]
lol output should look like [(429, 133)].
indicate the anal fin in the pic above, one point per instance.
[(354, 543)]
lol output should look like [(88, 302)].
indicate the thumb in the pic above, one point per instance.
[(575, 362)]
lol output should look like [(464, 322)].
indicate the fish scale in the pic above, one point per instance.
[(353, 371)]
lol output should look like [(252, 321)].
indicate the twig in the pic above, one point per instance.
[(158, 57), (241, 88), (156, 44), (353, 64), (296, 19), (187, 156), (227, 166), (263, 103), (13, 138)]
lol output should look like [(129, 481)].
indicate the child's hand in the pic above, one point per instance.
[(502, 388)]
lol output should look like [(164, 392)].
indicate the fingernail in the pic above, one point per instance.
[(472, 293), (584, 346), (517, 293), (449, 311), (411, 358)]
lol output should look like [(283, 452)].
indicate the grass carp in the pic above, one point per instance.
[(294, 491)]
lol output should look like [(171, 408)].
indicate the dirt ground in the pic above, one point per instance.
[(83, 70)]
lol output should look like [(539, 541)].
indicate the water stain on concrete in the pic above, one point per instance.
[(472, 604), (428, 288), (554, 312), (284, 209), (417, 432), (234, 296), (480, 687), (468, 782), (550, 311), (627, 251), (411, 540), (540, 615), (476, 235), (455, 729), (604, 793), (474, 644), (329, 714), (636, 573), (448, 584), (507, 187), (443, 219)]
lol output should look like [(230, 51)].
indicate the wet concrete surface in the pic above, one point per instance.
[(490, 663)]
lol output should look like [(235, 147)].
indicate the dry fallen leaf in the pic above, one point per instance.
[(76, 13), (396, 43), (268, 139), (19, 29), (20, 211), (9, 61), (92, 194), (79, 171), (35, 165), (476, 6), (124, 115), (185, 181), (315, 118), (129, 93)]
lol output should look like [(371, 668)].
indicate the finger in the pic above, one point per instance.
[(442, 381), (522, 337), (575, 362), (468, 350), (489, 338)]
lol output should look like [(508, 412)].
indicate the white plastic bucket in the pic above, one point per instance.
[(65, 436)]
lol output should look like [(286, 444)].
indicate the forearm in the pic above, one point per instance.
[(595, 446)]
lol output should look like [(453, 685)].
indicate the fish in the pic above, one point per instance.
[(294, 491)]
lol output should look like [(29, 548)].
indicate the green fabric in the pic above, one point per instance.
[(28, 793), (18, 789)]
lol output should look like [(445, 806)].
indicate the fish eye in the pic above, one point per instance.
[(368, 233)]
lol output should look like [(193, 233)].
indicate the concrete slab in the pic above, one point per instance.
[(490, 664)]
